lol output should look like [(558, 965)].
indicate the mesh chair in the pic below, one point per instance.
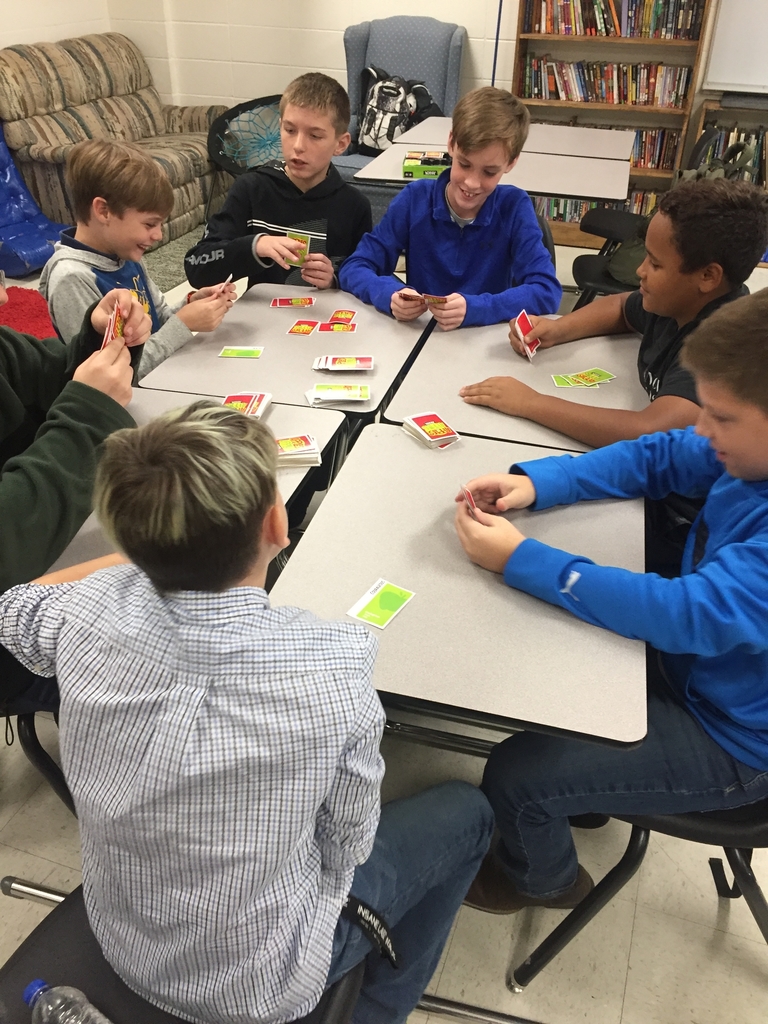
[(739, 831), (63, 951)]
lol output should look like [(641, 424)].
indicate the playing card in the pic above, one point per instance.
[(430, 428), (339, 393), (241, 402), (523, 325), (411, 296), (593, 376), (115, 326), (435, 300), (470, 501), (380, 604), (562, 380), (219, 288), (530, 347), (298, 260), (241, 352), (259, 404), (337, 327), (342, 316), (303, 300), (343, 363), (304, 327)]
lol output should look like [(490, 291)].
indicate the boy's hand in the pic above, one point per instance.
[(204, 314), (507, 394), (548, 332), (109, 371), (498, 492), (450, 314), (278, 247), (317, 270), (226, 290), (405, 309), (488, 540), (137, 325)]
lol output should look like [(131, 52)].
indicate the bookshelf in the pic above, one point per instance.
[(630, 79)]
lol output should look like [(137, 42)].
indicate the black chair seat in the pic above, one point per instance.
[(63, 951), (590, 274), (741, 828)]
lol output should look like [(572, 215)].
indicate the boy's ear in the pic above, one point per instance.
[(274, 529), (100, 210), (711, 277), (511, 165), (342, 141)]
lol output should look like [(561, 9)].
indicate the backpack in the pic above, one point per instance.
[(390, 107)]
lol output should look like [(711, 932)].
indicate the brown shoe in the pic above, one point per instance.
[(494, 893)]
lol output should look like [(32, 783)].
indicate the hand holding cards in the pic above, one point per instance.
[(523, 327), (115, 326)]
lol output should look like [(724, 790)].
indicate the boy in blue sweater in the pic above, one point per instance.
[(707, 742), (464, 238)]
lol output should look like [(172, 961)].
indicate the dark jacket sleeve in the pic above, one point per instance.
[(226, 246)]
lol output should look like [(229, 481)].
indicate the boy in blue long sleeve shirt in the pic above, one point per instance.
[(707, 742), (464, 238)]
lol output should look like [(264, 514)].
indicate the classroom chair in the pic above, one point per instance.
[(63, 951), (42, 760), (739, 831), (590, 272)]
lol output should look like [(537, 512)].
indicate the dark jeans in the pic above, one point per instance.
[(22, 691), (428, 849), (534, 782)]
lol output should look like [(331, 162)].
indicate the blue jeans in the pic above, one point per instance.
[(534, 782), (428, 849)]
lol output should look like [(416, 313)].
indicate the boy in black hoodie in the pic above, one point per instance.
[(302, 193)]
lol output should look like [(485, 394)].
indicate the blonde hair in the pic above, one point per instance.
[(119, 172), (319, 92), (489, 115), (185, 496)]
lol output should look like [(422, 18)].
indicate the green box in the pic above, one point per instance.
[(422, 164)]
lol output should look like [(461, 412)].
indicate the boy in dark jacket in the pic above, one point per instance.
[(707, 742), (303, 193)]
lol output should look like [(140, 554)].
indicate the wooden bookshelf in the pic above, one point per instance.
[(564, 233), (637, 49)]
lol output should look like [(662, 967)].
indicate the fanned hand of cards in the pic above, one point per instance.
[(115, 326), (250, 403), (523, 327), (431, 429), (470, 502), (298, 451)]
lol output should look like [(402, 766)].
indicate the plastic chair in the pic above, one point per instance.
[(589, 272), (546, 237), (63, 951), (739, 831), (42, 760)]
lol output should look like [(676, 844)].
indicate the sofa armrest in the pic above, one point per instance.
[(190, 119)]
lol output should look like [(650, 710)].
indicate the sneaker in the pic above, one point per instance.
[(493, 892)]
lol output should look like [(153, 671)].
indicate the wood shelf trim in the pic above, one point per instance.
[(586, 105), (650, 172), (688, 44), (568, 233)]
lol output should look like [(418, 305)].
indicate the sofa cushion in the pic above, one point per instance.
[(182, 157), (45, 78)]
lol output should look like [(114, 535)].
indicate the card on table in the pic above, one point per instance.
[(304, 327), (241, 352), (343, 363), (470, 502), (593, 376), (301, 450), (321, 393), (336, 327), (115, 326), (303, 300), (342, 316), (250, 403), (431, 429), (380, 604), (298, 260)]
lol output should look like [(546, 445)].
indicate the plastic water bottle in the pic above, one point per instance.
[(60, 1004)]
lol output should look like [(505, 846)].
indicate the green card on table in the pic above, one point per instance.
[(241, 352)]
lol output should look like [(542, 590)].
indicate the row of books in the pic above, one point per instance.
[(656, 148), (570, 211), (651, 85), (757, 137), (647, 19)]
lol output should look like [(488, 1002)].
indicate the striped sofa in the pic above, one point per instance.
[(53, 95)]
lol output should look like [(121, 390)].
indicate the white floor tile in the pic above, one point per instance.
[(44, 828), (412, 768), (683, 973)]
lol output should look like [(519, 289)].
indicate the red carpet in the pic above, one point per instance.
[(27, 311)]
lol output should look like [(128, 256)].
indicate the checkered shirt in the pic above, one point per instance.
[(224, 761)]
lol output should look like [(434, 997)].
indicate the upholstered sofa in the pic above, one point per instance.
[(53, 95)]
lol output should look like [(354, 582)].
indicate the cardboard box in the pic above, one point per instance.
[(422, 164)]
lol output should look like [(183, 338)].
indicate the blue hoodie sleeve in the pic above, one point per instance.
[(369, 272), (652, 466), (535, 287)]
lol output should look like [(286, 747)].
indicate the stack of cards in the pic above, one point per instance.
[(298, 451), (431, 429), (523, 326), (303, 300), (380, 604), (324, 394), (585, 379), (115, 326), (251, 403), (343, 363)]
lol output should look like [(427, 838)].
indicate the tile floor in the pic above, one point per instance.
[(666, 951)]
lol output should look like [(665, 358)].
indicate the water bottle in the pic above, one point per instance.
[(60, 1004)]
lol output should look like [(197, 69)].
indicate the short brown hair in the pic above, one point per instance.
[(489, 115), (730, 348), (185, 496), (119, 172), (319, 92), (718, 221)]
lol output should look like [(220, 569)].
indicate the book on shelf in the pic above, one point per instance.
[(645, 19), (570, 211), (655, 148), (641, 85)]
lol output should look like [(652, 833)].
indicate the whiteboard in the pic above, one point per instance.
[(738, 56)]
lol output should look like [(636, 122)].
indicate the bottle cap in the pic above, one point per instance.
[(33, 989)]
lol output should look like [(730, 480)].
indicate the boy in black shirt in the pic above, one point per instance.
[(302, 193), (702, 244)]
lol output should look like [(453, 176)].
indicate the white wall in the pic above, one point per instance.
[(225, 51), (24, 21)]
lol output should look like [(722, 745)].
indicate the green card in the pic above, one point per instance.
[(245, 352), (302, 255), (380, 604), (593, 376), (562, 381)]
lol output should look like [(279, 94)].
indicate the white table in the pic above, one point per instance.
[(451, 359), (467, 643), (561, 139), (282, 420), (539, 173), (285, 367)]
